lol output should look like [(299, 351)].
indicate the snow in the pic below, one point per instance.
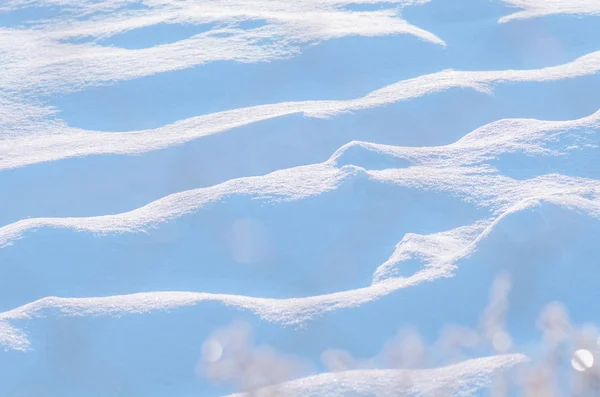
[(323, 258), (69, 142), (463, 379), (540, 8)]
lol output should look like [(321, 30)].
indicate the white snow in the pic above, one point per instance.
[(458, 169), (66, 142), (529, 188), (540, 8), (45, 61), (461, 380)]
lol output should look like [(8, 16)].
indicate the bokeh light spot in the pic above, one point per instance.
[(211, 350), (582, 360)]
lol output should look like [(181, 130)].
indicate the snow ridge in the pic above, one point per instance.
[(462, 379), (466, 160), (541, 8), (507, 191), (65, 142)]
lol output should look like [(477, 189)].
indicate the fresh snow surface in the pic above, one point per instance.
[(540, 8), (463, 379), (331, 200)]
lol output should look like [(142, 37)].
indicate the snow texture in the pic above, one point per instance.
[(335, 253)]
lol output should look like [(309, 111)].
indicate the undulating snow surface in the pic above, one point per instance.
[(540, 8), (276, 240), (464, 379)]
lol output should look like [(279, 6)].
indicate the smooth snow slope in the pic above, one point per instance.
[(325, 224)]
